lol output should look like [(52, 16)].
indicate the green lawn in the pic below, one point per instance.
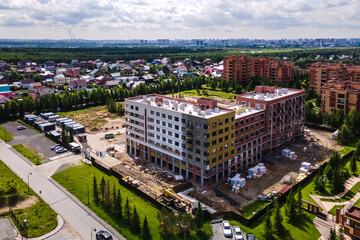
[(304, 229), (348, 196), (253, 207), (357, 203), (333, 210), (40, 217), (211, 93), (74, 180), (29, 153), (5, 135), (346, 150)]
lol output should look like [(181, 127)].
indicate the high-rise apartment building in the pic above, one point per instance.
[(242, 68), (343, 95), (205, 142)]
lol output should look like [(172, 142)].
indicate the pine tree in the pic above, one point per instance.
[(353, 163), (340, 235), (199, 217), (291, 207), (127, 211), (113, 202), (135, 222), (278, 226), (95, 191), (299, 202), (71, 135), (145, 234), (107, 198), (118, 206), (268, 229), (332, 235), (102, 188)]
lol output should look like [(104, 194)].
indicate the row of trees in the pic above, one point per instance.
[(9, 194), (111, 199)]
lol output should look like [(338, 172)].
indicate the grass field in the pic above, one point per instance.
[(6, 135), (210, 93), (29, 153), (346, 150), (75, 178), (40, 217), (89, 117), (253, 207), (333, 210), (348, 196), (304, 229)]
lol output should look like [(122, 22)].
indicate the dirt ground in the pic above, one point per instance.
[(32, 200), (278, 167)]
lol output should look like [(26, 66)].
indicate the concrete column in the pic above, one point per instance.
[(223, 170), (217, 173), (180, 166), (187, 170), (161, 159), (156, 158), (202, 177), (173, 164), (135, 151)]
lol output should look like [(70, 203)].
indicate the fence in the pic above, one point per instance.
[(320, 127), (18, 223)]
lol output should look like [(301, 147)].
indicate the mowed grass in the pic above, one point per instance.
[(253, 207), (75, 178), (210, 93), (348, 196), (333, 210), (346, 149), (5, 135), (303, 229), (29, 153), (40, 217)]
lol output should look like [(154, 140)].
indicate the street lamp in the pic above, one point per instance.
[(92, 229), (29, 174), (25, 227), (86, 186)]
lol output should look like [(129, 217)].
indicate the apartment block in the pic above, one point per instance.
[(342, 95), (242, 68), (321, 73), (279, 120), (207, 143), (194, 139)]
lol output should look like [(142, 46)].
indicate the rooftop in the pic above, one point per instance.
[(241, 111), (271, 95), (178, 105)]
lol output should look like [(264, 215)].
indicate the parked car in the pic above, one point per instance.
[(20, 128), (168, 176), (237, 233), (103, 235), (227, 229), (60, 150), (250, 236), (55, 146)]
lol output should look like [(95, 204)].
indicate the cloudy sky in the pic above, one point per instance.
[(152, 19)]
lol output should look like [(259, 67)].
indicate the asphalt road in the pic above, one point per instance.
[(7, 230), (219, 234), (68, 209)]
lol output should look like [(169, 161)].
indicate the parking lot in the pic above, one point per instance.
[(37, 141), (218, 231)]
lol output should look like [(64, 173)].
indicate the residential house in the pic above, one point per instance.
[(49, 66), (4, 66), (5, 91), (121, 63), (146, 68), (111, 84), (74, 62), (45, 75), (148, 78), (25, 83), (73, 72), (349, 217), (4, 80), (114, 66), (44, 90), (3, 99), (59, 80), (96, 73), (180, 69), (126, 79), (114, 75), (87, 78), (78, 85), (60, 70), (33, 86)]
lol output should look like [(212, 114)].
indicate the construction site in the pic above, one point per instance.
[(107, 145)]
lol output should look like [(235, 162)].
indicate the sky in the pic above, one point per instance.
[(181, 19)]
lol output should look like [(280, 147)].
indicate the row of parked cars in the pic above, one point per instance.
[(228, 232), (58, 148)]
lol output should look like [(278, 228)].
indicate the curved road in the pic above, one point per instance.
[(74, 214)]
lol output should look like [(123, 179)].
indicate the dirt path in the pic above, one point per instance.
[(32, 200)]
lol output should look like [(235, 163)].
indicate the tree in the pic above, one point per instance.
[(95, 191), (268, 229), (127, 211), (71, 135), (102, 188), (299, 202), (319, 182), (199, 217), (340, 235), (332, 235), (12, 192), (291, 207), (278, 226), (135, 222), (145, 234), (353, 163), (118, 206), (107, 198), (64, 136)]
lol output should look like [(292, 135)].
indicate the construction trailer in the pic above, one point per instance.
[(46, 115)]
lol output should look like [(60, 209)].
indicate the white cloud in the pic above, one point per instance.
[(151, 19)]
